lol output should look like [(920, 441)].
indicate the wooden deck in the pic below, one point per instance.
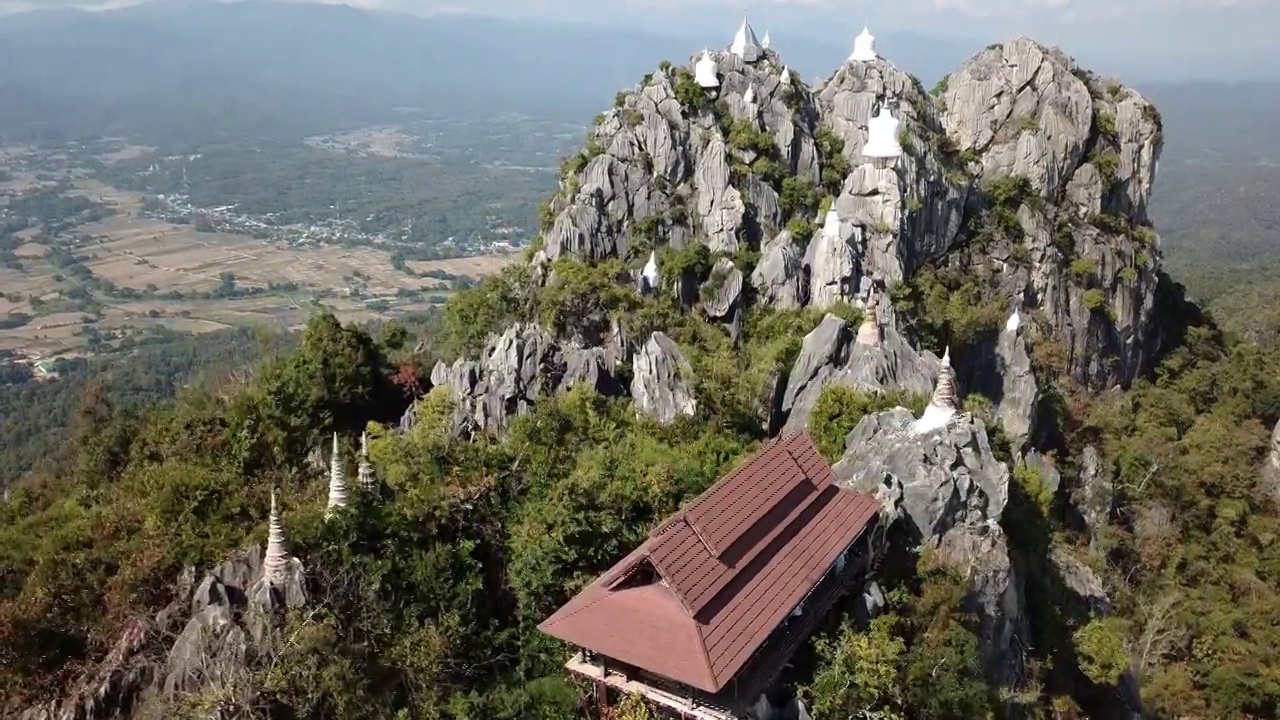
[(678, 706)]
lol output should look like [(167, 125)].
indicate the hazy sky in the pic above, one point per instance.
[(1208, 39)]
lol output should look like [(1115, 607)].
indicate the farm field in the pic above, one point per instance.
[(134, 274)]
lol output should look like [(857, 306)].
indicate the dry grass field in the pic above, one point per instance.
[(156, 257)]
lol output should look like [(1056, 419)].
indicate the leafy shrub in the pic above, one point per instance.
[(839, 409)]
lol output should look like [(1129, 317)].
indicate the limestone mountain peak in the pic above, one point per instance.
[(1020, 171)]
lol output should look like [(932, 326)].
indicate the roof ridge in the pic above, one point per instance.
[(684, 515)]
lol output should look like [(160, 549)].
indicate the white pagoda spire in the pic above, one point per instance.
[(766, 42), (745, 45), (337, 481), (942, 407), (705, 72), (785, 80), (276, 559), (364, 470), (864, 47), (869, 332)]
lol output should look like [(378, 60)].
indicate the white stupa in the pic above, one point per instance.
[(364, 470), (1013, 323), (745, 45), (882, 135), (337, 481), (649, 276), (705, 72), (864, 47), (785, 79), (766, 42), (942, 407), (276, 559), (831, 224)]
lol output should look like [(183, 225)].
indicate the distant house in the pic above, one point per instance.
[(44, 369), (702, 617)]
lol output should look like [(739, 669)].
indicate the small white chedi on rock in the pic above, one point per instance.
[(364, 471), (649, 275), (831, 224), (785, 79), (882, 135), (864, 47), (705, 71), (766, 42), (337, 481), (276, 559), (1013, 323), (942, 407), (745, 45)]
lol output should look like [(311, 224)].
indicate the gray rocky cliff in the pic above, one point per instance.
[(949, 492), (1082, 253)]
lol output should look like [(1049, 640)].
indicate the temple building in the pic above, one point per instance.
[(745, 45), (703, 616), (705, 72), (864, 47), (882, 136)]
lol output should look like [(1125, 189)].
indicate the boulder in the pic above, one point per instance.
[(660, 380)]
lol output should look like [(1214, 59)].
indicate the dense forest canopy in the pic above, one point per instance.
[(479, 541)]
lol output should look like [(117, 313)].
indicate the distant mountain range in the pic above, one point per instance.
[(174, 70)]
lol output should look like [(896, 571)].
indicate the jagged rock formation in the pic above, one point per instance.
[(831, 354), (659, 382), (777, 276), (1023, 169), (520, 366), (1087, 260), (1094, 493), (218, 625), (1018, 396), (949, 491)]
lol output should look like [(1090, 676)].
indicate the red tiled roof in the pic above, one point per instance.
[(728, 569)]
